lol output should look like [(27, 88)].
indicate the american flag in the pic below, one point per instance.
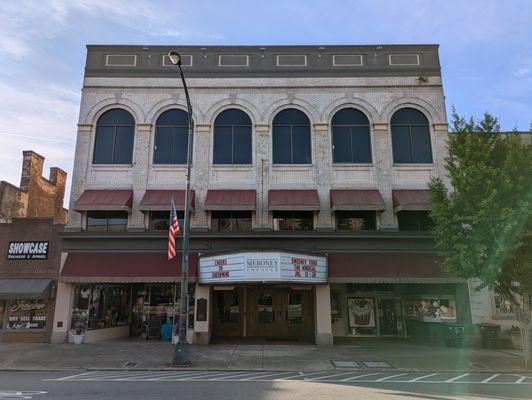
[(173, 231)]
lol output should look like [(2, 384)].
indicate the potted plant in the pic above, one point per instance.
[(79, 332), (515, 336)]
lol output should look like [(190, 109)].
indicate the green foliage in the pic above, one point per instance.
[(483, 225)]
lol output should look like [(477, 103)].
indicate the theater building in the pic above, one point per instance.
[(310, 204)]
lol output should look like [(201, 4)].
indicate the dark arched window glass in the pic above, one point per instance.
[(115, 132), (171, 135), (410, 137), (351, 137), (291, 138), (232, 138)]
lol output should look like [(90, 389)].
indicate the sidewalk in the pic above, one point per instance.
[(154, 355)]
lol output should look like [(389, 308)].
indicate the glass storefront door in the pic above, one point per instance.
[(390, 316)]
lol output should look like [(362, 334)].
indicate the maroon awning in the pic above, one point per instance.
[(356, 200), (160, 200), (293, 200), (125, 267), (231, 200), (387, 268), (108, 200), (411, 200)]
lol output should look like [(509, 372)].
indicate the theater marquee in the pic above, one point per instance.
[(263, 267)]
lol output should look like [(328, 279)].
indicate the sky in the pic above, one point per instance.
[(485, 52)]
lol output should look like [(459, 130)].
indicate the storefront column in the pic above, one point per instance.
[(202, 315), (324, 335), (61, 322)]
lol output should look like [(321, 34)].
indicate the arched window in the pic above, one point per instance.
[(291, 138), (232, 138), (115, 132), (171, 136), (351, 137), (410, 137)]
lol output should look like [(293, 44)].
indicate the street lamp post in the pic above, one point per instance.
[(181, 352)]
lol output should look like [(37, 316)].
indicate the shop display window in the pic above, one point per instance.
[(265, 309), (27, 314), (503, 306), (80, 306), (2, 313), (361, 313), (431, 308)]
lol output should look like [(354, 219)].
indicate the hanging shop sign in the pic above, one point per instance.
[(28, 251), (263, 267)]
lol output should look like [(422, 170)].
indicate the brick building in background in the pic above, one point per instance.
[(31, 219)]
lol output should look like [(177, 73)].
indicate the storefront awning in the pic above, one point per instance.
[(125, 267), (231, 200), (160, 200), (350, 200), (108, 200), (411, 200), (25, 288), (293, 200), (387, 268)]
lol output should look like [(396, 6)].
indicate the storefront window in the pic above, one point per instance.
[(80, 306), (431, 308), (106, 221), (293, 220), (160, 220), (361, 316), (109, 307), (503, 306), (2, 313), (355, 220), (231, 220), (27, 314)]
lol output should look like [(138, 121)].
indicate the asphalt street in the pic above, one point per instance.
[(199, 385)]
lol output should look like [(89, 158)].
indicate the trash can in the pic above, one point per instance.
[(453, 335), (490, 335)]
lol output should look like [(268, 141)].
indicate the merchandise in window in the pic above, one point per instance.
[(414, 221), (503, 306), (293, 220), (431, 308), (356, 220), (231, 220), (80, 305), (106, 221), (27, 314), (160, 220)]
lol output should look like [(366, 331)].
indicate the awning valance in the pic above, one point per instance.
[(411, 200), (231, 200), (107, 200), (351, 200), (293, 200), (387, 268), (25, 288), (125, 267), (160, 200)]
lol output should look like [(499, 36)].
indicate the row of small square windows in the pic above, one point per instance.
[(282, 60)]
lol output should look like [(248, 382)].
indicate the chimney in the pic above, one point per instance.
[(32, 166), (58, 177)]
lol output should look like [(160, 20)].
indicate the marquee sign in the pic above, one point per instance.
[(28, 251), (265, 266)]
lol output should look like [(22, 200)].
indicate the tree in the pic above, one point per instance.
[(483, 222)]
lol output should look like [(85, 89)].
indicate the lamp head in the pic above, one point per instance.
[(174, 57)]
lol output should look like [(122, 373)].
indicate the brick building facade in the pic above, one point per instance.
[(30, 251), (310, 173)]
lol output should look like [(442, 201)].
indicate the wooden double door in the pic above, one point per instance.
[(278, 313)]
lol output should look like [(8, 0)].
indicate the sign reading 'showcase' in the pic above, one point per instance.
[(267, 266), (28, 251)]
